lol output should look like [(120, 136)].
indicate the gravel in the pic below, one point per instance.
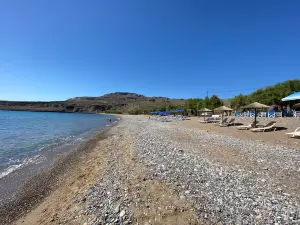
[(107, 202), (221, 193)]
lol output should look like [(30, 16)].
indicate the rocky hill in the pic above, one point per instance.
[(113, 102)]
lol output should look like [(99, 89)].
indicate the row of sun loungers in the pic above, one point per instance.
[(211, 120), (271, 126), (256, 127), (167, 118)]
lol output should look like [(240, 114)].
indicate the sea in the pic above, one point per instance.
[(27, 138)]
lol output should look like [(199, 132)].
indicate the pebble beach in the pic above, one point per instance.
[(149, 172)]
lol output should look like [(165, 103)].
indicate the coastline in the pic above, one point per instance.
[(148, 172), (33, 183), (47, 150), (47, 110)]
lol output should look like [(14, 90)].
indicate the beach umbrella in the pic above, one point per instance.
[(255, 106), (292, 97), (205, 110), (222, 109), (163, 113)]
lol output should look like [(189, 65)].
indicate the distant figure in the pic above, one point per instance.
[(109, 119)]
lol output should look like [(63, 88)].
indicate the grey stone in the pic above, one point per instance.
[(117, 208), (122, 213)]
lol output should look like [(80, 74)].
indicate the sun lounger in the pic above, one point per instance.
[(246, 127), (296, 133), (224, 121), (268, 126), (208, 120), (229, 123)]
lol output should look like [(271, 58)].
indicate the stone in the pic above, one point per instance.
[(117, 209), (122, 213)]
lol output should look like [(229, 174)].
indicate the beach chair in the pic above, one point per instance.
[(251, 114), (224, 121), (296, 133), (238, 114), (208, 120), (229, 123), (272, 114), (216, 118), (247, 127), (183, 118), (269, 126)]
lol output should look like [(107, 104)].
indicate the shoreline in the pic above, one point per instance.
[(46, 178), (48, 151), (50, 111), (147, 172)]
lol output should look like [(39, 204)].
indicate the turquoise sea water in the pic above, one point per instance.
[(23, 135)]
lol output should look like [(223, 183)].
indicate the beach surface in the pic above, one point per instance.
[(180, 172)]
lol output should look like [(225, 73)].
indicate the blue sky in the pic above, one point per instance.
[(54, 50)]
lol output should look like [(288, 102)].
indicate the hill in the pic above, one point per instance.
[(118, 102), (132, 103)]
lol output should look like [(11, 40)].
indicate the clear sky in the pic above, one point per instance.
[(57, 49)]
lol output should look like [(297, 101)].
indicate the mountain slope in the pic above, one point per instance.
[(113, 102)]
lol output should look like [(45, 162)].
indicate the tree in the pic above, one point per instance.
[(270, 95), (206, 103), (238, 101), (215, 101), (193, 103)]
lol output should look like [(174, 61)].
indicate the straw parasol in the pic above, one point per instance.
[(255, 106), (204, 110), (222, 109)]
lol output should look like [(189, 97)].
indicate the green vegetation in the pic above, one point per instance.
[(124, 102), (271, 95), (198, 103), (113, 112)]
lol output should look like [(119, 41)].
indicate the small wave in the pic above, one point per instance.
[(34, 160), (10, 162), (79, 139), (9, 170)]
